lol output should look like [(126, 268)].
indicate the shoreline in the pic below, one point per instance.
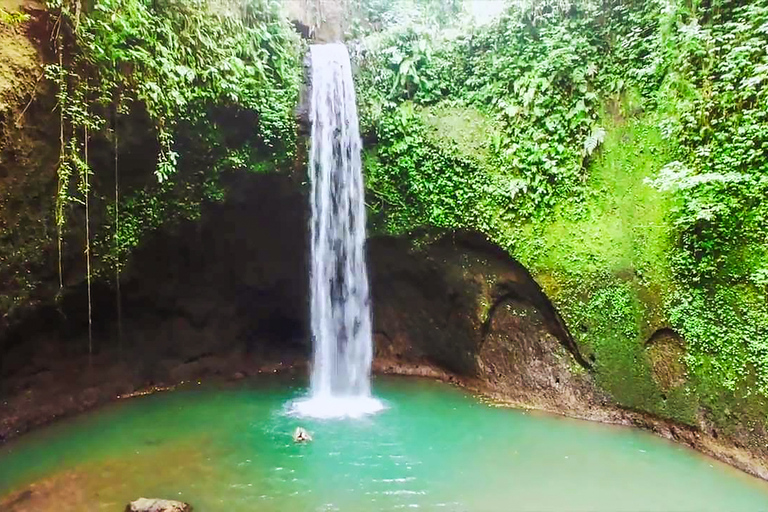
[(41, 413), (689, 436)]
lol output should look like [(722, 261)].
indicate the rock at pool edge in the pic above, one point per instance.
[(152, 505)]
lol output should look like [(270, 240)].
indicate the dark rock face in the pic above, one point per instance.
[(238, 277), (420, 311), (227, 297), (461, 303), (204, 300), (235, 279)]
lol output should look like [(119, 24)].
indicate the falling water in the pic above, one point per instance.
[(340, 309)]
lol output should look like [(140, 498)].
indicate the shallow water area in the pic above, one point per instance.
[(434, 447)]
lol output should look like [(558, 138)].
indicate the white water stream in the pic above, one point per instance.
[(340, 299)]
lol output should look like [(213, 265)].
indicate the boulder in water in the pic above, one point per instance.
[(300, 435), (154, 505)]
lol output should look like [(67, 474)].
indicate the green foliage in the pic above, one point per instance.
[(604, 263), (178, 57), (714, 106), (13, 17), (387, 13), (718, 114), (607, 320), (215, 80), (407, 174), (620, 229), (539, 82), (626, 144), (727, 331)]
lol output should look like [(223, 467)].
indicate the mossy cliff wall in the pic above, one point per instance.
[(585, 140)]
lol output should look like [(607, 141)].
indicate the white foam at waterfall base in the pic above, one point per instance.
[(342, 337), (336, 407)]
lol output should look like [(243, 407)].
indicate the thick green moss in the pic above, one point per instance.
[(603, 258), (604, 263)]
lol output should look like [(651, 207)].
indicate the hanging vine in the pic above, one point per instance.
[(75, 118), (85, 191), (178, 64), (58, 75), (116, 236)]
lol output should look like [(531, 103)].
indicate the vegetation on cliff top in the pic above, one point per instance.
[(191, 66)]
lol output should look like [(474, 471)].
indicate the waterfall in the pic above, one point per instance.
[(340, 300)]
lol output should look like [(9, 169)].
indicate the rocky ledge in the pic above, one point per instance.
[(155, 505)]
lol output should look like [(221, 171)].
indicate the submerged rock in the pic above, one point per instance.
[(154, 505)]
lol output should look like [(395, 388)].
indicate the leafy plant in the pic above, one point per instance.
[(12, 17), (181, 63)]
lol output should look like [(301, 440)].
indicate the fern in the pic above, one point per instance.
[(594, 140)]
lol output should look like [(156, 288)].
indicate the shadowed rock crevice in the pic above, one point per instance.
[(439, 302), (665, 350), (665, 334), (538, 300)]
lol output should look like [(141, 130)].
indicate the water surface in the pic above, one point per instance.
[(433, 448)]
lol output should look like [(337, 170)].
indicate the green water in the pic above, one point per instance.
[(434, 448)]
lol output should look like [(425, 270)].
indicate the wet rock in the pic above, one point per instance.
[(155, 505), (452, 299), (457, 304)]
